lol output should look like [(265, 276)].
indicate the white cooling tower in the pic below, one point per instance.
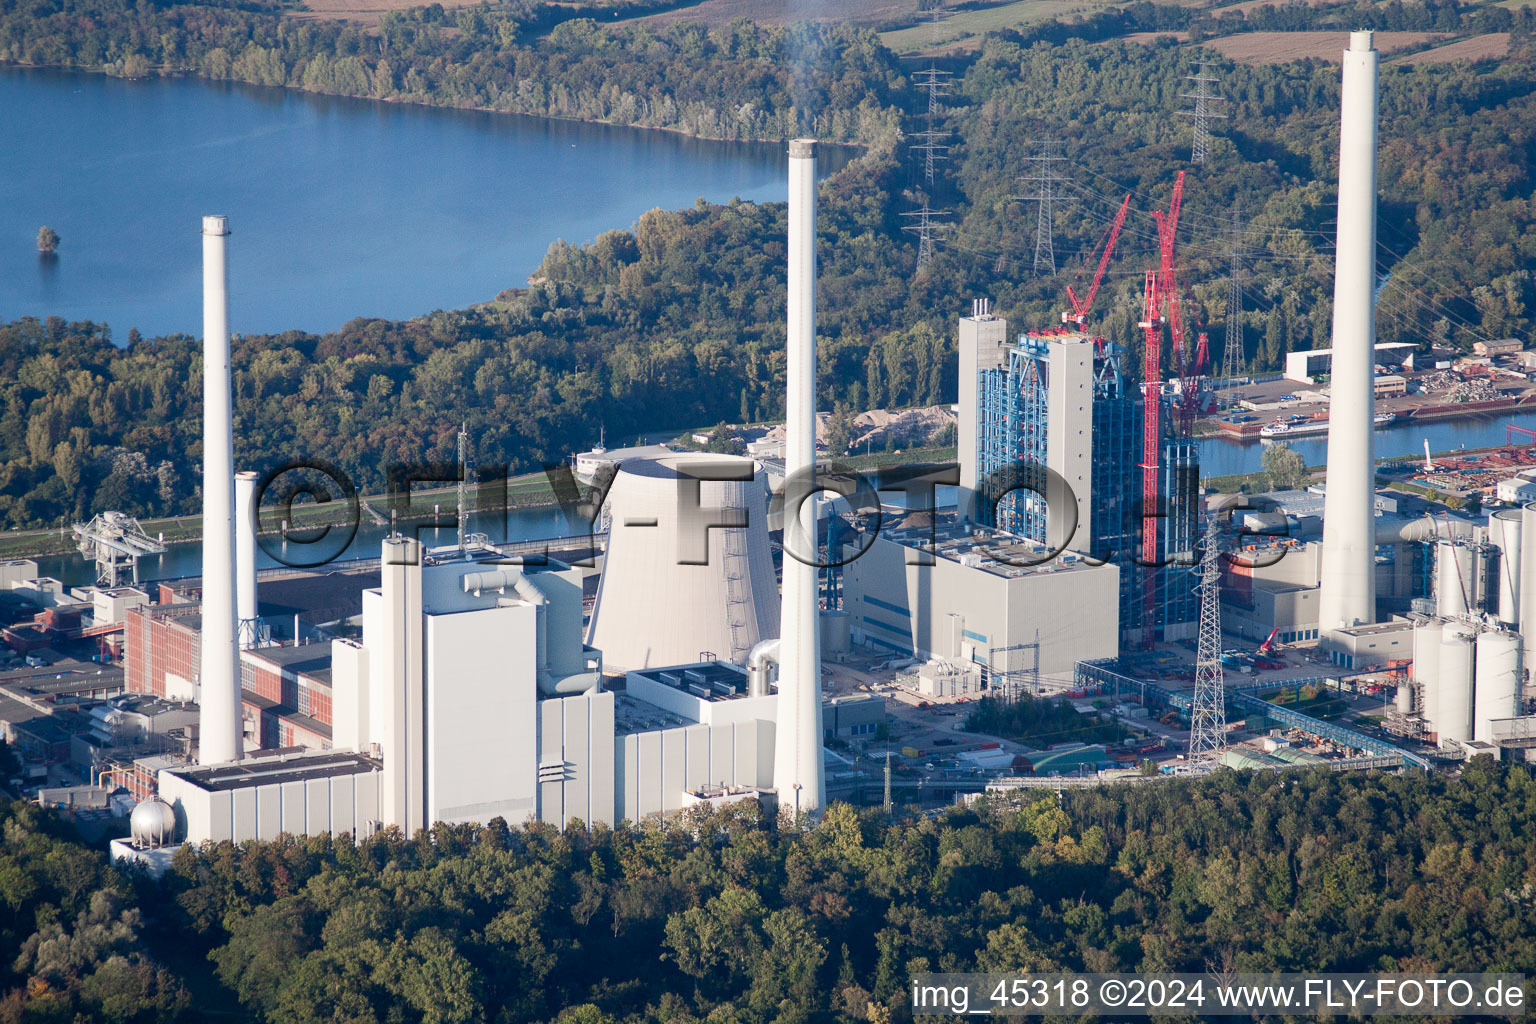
[(1453, 703), (1504, 530), (1498, 682), (1457, 574), (655, 605), (219, 732), (1348, 596), (1426, 665)]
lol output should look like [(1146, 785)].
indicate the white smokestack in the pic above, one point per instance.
[(219, 721), (248, 617), (797, 760), (1349, 566)]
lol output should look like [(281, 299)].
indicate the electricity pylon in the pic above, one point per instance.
[(1208, 714), (1202, 113)]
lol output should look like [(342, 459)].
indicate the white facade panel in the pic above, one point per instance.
[(317, 808), (344, 816), (674, 763), (269, 812), (245, 823), (648, 767), (295, 809), (481, 744)]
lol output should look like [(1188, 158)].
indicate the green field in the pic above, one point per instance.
[(963, 30)]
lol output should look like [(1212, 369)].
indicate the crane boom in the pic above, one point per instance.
[(1168, 283), (1151, 442), (1080, 307)]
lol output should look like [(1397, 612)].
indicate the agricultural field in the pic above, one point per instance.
[(366, 12), (1252, 5), (720, 13), (1280, 47), (963, 29), (1148, 37), (1485, 47)]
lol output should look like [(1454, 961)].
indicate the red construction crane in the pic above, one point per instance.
[(1080, 307), (1151, 443), (1168, 275), (1162, 284)]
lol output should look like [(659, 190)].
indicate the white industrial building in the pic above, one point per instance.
[(969, 601)]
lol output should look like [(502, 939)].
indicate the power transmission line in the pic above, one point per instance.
[(1202, 113), (1232, 352), (935, 83), (932, 146), (924, 230), (1045, 178)]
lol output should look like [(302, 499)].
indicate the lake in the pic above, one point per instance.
[(338, 208)]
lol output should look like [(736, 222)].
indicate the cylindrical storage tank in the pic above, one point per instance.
[(1528, 580), (1456, 578), (1426, 666), (679, 585), (1504, 530), (1453, 701), (1498, 682)]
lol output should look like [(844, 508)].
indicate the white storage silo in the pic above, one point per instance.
[(676, 589), (1426, 665), (1528, 580), (1456, 576), (1504, 530), (1498, 682), (1453, 701)]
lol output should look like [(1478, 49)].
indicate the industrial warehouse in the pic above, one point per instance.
[(699, 661)]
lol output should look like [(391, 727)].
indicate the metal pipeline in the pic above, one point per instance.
[(758, 659), (530, 592)]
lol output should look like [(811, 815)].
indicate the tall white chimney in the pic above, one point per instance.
[(798, 774), (219, 732), (247, 615), (1349, 565)]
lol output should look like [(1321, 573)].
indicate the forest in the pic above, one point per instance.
[(676, 322), (748, 82), (728, 918)]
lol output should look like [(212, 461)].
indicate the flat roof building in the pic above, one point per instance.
[(970, 605)]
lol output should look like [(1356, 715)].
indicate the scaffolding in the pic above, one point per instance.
[(1013, 431)]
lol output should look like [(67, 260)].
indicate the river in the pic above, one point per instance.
[(338, 208), (1221, 457)]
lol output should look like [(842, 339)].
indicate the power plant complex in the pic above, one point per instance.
[(474, 681), (476, 690)]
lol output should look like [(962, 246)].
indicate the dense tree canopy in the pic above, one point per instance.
[(721, 919)]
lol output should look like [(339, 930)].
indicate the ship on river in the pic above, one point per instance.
[(1282, 429)]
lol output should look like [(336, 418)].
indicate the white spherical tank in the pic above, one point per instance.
[(678, 584), (1498, 682), (1453, 701), (1456, 576), (152, 824), (1504, 530)]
